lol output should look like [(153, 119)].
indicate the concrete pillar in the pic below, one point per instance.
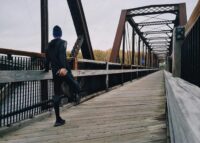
[(178, 39)]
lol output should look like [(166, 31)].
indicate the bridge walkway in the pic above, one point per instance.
[(133, 113)]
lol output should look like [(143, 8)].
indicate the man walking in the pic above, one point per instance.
[(56, 55)]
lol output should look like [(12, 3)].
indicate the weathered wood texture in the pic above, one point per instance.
[(21, 53), (133, 113), (183, 101), (34, 75)]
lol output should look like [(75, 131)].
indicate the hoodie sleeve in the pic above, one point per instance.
[(62, 55)]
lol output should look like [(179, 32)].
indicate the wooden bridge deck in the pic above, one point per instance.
[(133, 113)]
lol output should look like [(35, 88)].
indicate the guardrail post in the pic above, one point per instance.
[(178, 39), (122, 76), (107, 76), (131, 73), (137, 73)]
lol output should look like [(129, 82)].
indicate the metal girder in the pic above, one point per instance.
[(163, 47), (156, 23), (153, 38), (118, 37), (133, 47), (137, 30), (157, 32), (158, 50), (177, 9), (165, 51), (153, 9), (44, 45), (44, 25), (193, 18), (159, 42), (182, 15), (80, 24), (161, 53)]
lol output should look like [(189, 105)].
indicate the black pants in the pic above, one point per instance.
[(58, 80), (69, 79)]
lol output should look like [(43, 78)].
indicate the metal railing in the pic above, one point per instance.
[(27, 91), (190, 56)]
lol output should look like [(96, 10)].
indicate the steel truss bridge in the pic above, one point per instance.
[(148, 91)]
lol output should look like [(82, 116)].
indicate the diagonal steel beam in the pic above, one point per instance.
[(118, 37), (137, 30), (80, 24)]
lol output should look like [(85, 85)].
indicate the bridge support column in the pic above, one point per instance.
[(44, 44), (178, 39), (169, 64)]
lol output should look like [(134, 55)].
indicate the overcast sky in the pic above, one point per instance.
[(20, 21)]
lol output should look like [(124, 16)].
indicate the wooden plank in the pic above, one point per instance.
[(34, 75), (133, 113), (183, 101)]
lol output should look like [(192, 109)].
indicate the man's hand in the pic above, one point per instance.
[(62, 72)]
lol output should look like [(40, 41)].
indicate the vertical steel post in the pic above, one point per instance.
[(44, 44), (133, 47), (182, 15), (123, 48), (146, 56), (44, 25), (139, 50), (150, 57), (143, 53), (107, 76)]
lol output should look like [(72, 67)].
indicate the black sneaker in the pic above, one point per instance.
[(77, 98), (59, 122)]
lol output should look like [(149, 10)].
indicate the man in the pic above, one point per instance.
[(56, 55)]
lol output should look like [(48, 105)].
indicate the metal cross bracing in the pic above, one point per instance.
[(152, 27)]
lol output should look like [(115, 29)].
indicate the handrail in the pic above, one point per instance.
[(34, 75), (21, 53), (193, 18), (42, 55), (183, 100)]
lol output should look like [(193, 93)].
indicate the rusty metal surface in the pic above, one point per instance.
[(80, 24), (147, 36), (182, 15), (193, 18), (118, 38), (133, 47)]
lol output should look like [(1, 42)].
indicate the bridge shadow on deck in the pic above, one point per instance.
[(133, 113)]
